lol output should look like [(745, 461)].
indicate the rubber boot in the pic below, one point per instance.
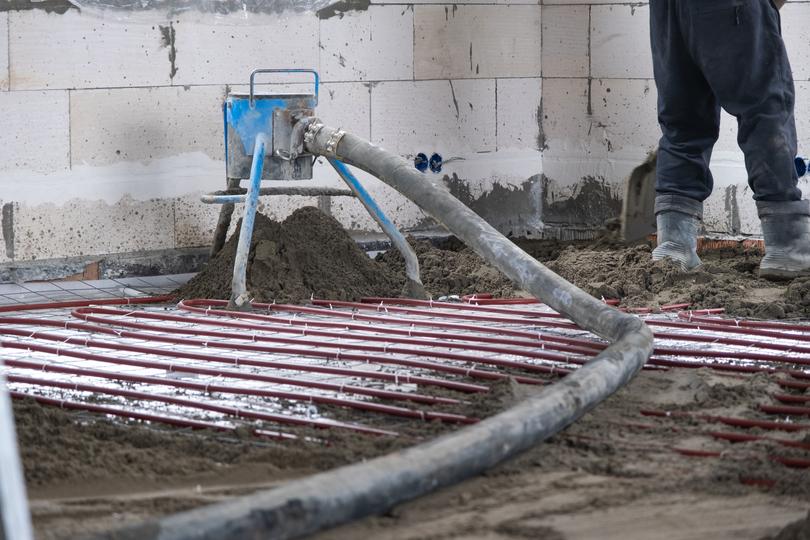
[(678, 219), (786, 228)]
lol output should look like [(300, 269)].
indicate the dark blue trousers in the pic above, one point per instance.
[(709, 54)]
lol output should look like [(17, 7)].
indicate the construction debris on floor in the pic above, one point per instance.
[(312, 378)]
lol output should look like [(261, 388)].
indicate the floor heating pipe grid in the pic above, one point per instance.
[(43, 341), (687, 339), (376, 340), (724, 343), (359, 330)]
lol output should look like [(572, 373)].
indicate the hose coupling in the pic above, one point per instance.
[(314, 127), (333, 141)]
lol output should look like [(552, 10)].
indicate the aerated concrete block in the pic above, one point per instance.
[(35, 135), (519, 109), (566, 125), (571, 2), (620, 42), (371, 45), (565, 41), (797, 39), (477, 41), (624, 116), (803, 117), (76, 50), (212, 53), (85, 227), (3, 51), (448, 117), (346, 105), (134, 124)]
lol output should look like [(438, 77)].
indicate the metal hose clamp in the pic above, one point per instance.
[(314, 127), (334, 140)]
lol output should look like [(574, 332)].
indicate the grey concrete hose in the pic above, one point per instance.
[(317, 502)]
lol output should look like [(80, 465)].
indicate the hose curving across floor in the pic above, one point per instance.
[(305, 506)]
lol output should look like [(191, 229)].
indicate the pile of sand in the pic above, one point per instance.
[(311, 254), (307, 254), (725, 279), (449, 267)]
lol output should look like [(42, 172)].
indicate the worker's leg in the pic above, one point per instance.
[(689, 117), (688, 112), (740, 50)]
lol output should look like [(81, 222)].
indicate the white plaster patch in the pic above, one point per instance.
[(35, 134), (88, 227), (210, 53), (3, 51), (565, 41), (74, 50), (448, 117), (160, 178), (376, 44), (620, 42), (132, 124), (477, 41), (519, 103)]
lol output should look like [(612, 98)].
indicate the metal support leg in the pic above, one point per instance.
[(413, 282), (239, 295), (224, 221), (16, 522)]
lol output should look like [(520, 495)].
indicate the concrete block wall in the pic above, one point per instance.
[(599, 111), (539, 109), (114, 124)]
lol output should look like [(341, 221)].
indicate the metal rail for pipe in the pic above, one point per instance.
[(207, 388), (146, 417), (464, 306), (530, 351), (411, 330), (737, 323), (392, 349), (168, 366), (239, 194), (535, 338), (540, 319), (336, 354), (544, 323), (305, 506), (236, 412)]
